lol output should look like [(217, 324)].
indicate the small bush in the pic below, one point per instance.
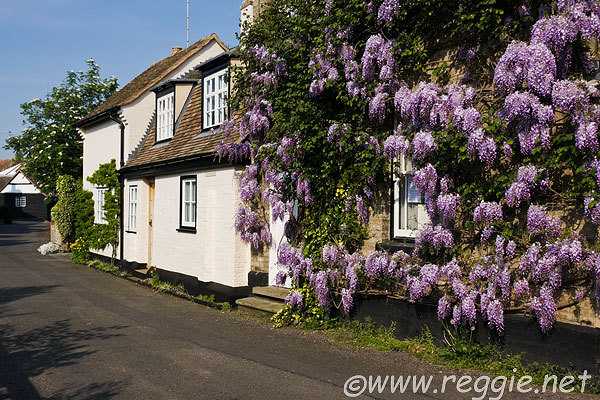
[(80, 251)]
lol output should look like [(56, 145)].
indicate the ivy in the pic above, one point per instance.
[(63, 213)]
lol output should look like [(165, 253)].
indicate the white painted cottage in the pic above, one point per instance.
[(179, 201)]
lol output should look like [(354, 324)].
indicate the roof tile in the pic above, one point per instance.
[(187, 140), (152, 76)]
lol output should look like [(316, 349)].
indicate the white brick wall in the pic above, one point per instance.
[(136, 244), (215, 253)]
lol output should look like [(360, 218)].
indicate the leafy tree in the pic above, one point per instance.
[(107, 234), (50, 145), (63, 213)]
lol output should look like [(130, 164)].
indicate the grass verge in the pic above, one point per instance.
[(458, 351)]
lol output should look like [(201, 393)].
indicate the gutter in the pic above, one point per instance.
[(85, 121), (114, 118), (192, 162)]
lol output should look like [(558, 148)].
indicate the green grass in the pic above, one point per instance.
[(224, 306), (102, 266), (162, 286), (458, 351)]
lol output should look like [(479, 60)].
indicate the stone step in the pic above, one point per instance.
[(271, 292), (141, 273), (259, 306)]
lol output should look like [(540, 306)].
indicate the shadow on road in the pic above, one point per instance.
[(14, 234), (24, 355), (92, 391), (10, 294)]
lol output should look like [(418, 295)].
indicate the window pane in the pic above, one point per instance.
[(413, 217), (402, 192), (165, 111)]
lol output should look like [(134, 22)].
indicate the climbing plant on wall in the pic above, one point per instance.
[(102, 235), (492, 103)]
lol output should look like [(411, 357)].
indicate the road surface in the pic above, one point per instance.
[(70, 332)]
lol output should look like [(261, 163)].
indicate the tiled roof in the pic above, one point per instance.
[(151, 77), (6, 163), (4, 181), (187, 140)]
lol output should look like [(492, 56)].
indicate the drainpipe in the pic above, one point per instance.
[(122, 185)]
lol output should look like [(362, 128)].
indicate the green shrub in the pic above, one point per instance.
[(84, 212), (80, 251), (63, 213)]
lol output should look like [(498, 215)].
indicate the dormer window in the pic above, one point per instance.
[(216, 90), (165, 111)]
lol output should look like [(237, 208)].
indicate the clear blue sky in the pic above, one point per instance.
[(42, 39)]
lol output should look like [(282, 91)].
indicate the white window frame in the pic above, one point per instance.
[(189, 198), (133, 205), (165, 116), (20, 201), (215, 93), (403, 173), (100, 213)]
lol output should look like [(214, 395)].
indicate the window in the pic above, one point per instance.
[(21, 201), (165, 106), (133, 191), (100, 193), (409, 210), (188, 202), (216, 89)]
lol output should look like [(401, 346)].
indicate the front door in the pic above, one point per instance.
[(150, 220)]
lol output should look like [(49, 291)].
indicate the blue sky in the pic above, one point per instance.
[(42, 39)]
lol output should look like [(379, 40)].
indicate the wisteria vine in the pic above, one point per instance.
[(507, 161)]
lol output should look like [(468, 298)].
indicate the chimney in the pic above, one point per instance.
[(247, 14), (176, 49)]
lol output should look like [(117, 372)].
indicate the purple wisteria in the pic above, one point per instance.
[(528, 181), (538, 95)]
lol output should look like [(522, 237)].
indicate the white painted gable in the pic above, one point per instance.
[(20, 184)]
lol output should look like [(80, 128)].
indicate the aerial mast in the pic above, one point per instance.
[(187, 25)]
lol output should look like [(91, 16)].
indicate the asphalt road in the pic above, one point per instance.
[(70, 332)]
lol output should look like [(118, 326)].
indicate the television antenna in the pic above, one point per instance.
[(187, 26)]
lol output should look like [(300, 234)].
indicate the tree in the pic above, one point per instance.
[(50, 145), (107, 234)]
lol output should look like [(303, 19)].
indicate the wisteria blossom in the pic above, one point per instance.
[(479, 155)]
